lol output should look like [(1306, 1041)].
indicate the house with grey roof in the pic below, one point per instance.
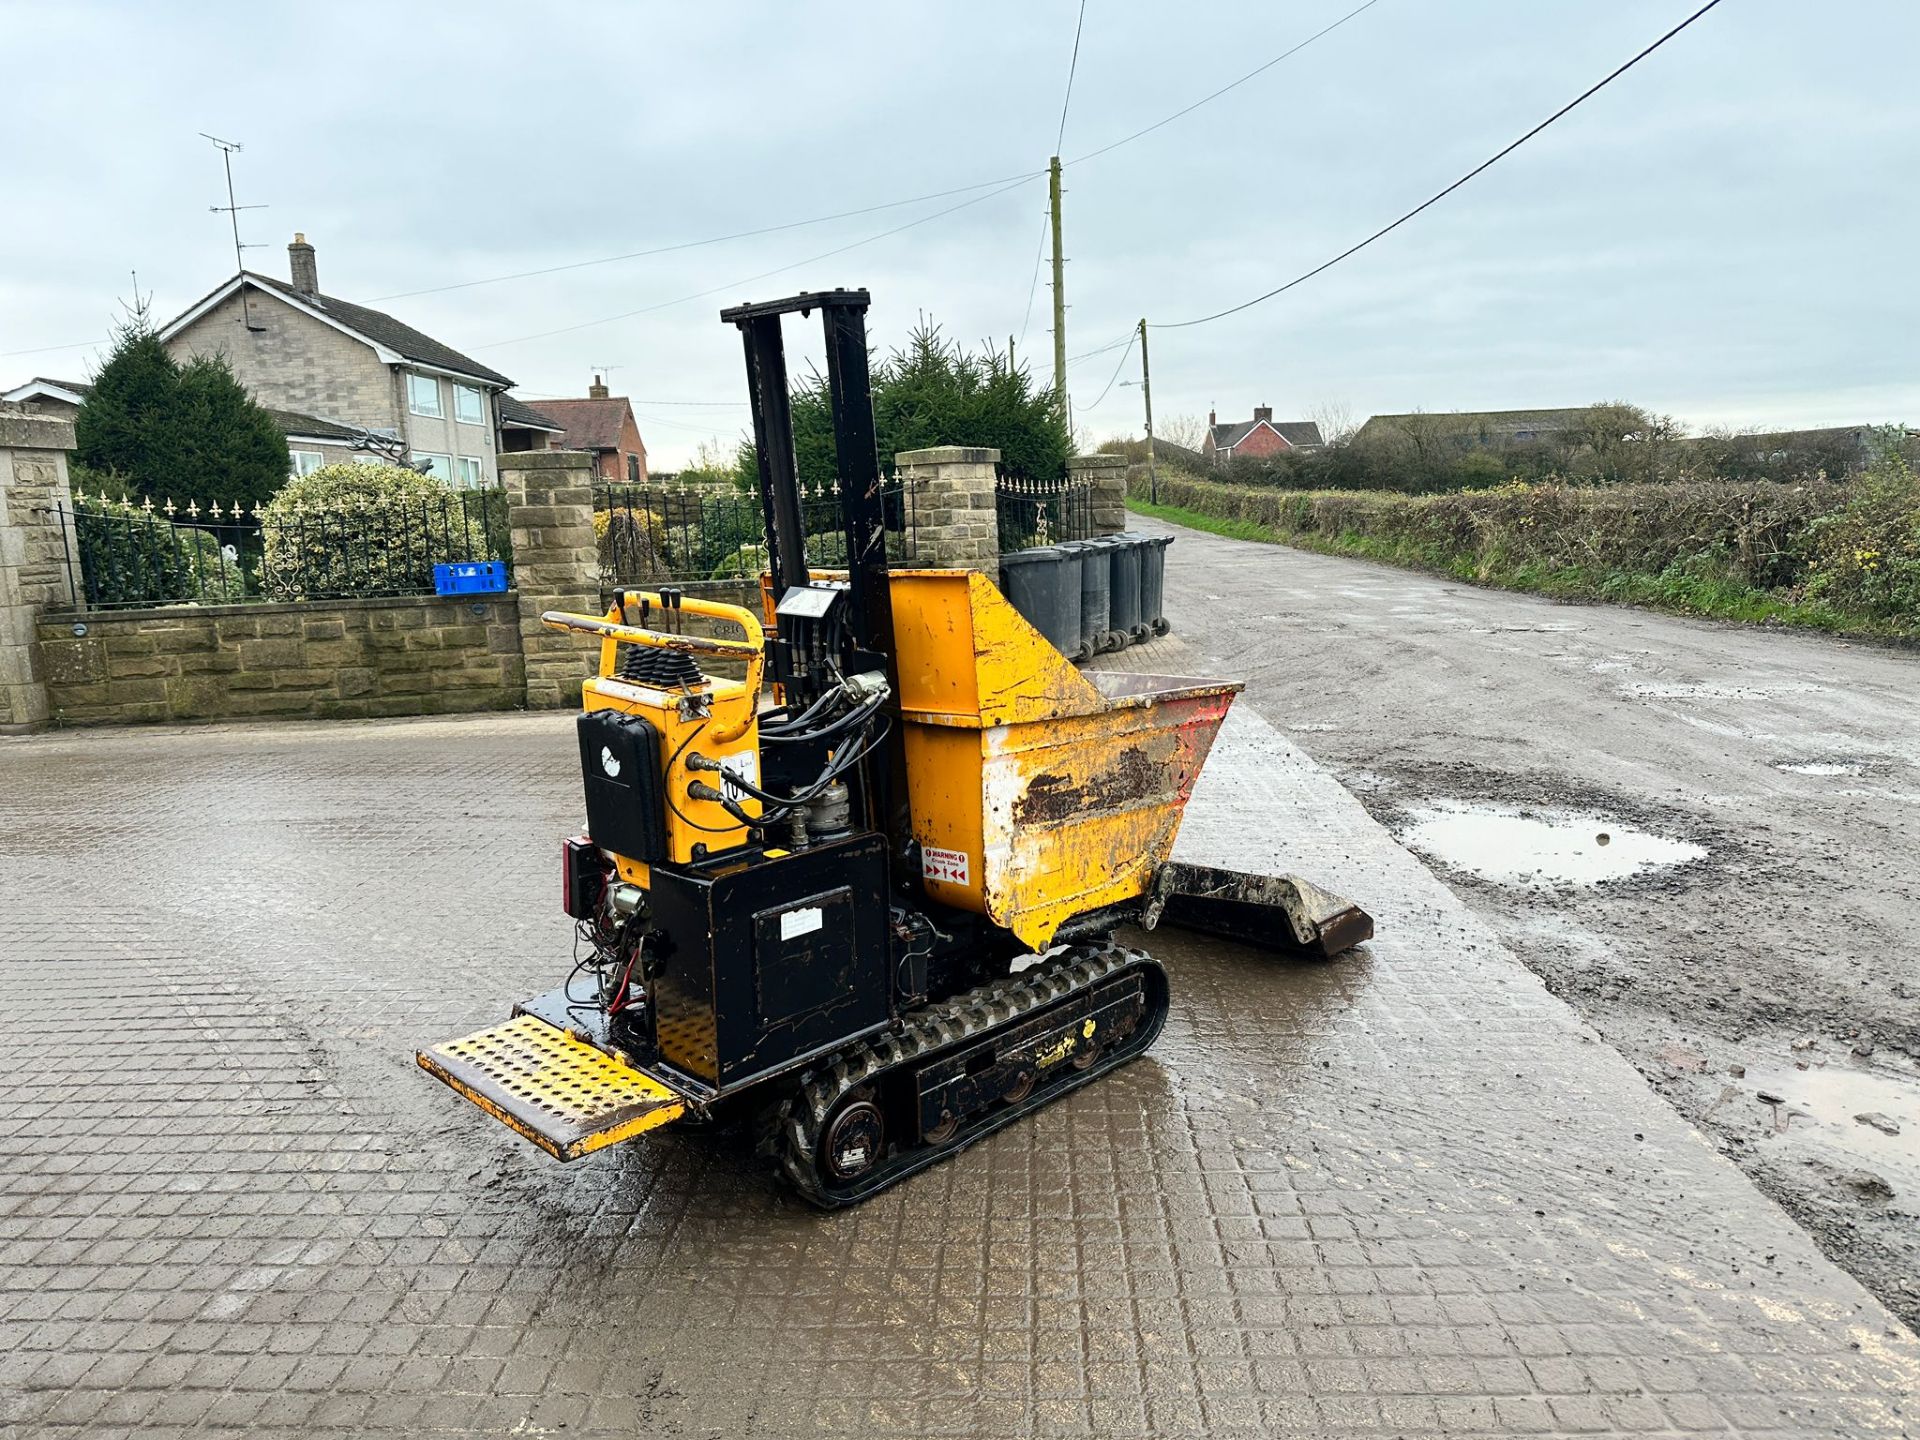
[(1257, 438), (524, 428), (1473, 429), (61, 399), (358, 377)]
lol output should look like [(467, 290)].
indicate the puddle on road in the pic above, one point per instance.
[(1819, 1109), (1540, 847), (1821, 767)]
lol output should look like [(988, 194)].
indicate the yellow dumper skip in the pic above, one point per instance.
[(1038, 792)]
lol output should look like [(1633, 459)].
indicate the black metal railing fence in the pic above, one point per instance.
[(716, 535), (122, 555), (1042, 512)]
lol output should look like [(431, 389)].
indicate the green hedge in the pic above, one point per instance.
[(1850, 552), (362, 528)]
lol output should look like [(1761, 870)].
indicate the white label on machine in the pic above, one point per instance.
[(801, 921), (745, 764), (948, 865)]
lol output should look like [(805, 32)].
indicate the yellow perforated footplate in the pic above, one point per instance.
[(567, 1097)]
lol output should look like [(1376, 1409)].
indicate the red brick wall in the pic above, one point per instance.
[(1262, 441)]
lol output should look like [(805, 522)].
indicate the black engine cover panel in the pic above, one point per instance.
[(766, 962)]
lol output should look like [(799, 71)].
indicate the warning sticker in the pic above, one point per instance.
[(948, 865)]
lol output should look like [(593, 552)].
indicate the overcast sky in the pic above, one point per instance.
[(1726, 234)]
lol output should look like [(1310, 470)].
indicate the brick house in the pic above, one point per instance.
[(350, 368), (1259, 437), (603, 424)]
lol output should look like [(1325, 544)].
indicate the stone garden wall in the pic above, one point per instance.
[(317, 660)]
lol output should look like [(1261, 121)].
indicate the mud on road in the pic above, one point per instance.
[(1705, 837)]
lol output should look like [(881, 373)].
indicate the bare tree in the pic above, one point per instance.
[(1335, 419), (1186, 431)]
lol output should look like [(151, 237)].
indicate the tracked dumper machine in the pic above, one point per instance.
[(876, 906)]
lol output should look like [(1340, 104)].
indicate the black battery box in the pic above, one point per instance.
[(626, 801)]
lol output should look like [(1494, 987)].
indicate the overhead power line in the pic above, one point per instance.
[(750, 279), (1072, 65), (1116, 372), (709, 240), (1033, 285), (916, 199), (1230, 85), (1438, 196), (819, 219), (47, 349)]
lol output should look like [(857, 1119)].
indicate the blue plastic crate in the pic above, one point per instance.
[(470, 577)]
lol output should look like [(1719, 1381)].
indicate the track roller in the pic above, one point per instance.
[(955, 1071)]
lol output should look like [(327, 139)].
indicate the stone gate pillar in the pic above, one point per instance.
[(955, 515), (1106, 478), (555, 566), (35, 545)]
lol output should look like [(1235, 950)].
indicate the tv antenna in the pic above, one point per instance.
[(232, 209)]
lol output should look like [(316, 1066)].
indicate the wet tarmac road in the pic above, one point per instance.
[(1773, 950), (1406, 1193)]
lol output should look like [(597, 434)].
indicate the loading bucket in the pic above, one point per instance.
[(1043, 584), (1038, 792)]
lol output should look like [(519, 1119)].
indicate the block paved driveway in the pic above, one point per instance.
[(1402, 1194)]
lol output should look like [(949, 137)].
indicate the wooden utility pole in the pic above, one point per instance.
[(1059, 289), (1146, 393)]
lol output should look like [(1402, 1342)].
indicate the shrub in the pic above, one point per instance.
[(364, 528), (1866, 556), (743, 564), (130, 557), (625, 541)]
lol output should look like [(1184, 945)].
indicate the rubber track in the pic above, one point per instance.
[(960, 1020)]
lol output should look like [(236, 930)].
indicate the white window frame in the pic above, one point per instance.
[(414, 380), (298, 462), (460, 392), (460, 462), (444, 472)]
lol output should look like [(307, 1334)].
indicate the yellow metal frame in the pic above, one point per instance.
[(724, 726)]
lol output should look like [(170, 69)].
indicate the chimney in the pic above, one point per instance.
[(1212, 419), (598, 389), (306, 276), (1263, 412)]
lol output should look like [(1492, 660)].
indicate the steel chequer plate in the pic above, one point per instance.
[(564, 1095)]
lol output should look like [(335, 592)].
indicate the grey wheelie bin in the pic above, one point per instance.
[(1096, 595), (1043, 584), (1153, 581), (1124, 552)]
